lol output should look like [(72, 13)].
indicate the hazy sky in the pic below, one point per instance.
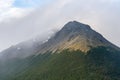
[(21, 20)]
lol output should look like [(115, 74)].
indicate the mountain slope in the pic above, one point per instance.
[(75, 36), (76, 52), (98, 64)]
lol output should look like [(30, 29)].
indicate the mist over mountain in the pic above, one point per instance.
[(23, 49), (76, 52)]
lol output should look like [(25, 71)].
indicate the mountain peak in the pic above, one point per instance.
[(75, 36), (74, 25)]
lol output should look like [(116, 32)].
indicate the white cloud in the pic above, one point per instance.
[(8, 11), (6, 3)]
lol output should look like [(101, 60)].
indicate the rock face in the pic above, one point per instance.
[(75, 36)]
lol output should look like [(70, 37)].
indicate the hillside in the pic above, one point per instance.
[(98, 64), (76, 52)]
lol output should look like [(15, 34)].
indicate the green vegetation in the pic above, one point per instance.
[(100, 63)]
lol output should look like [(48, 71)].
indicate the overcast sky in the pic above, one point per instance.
[(22, 20)]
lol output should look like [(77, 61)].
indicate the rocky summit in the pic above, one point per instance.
[(75, 36)]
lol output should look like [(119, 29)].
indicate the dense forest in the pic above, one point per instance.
[(101, 63)]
